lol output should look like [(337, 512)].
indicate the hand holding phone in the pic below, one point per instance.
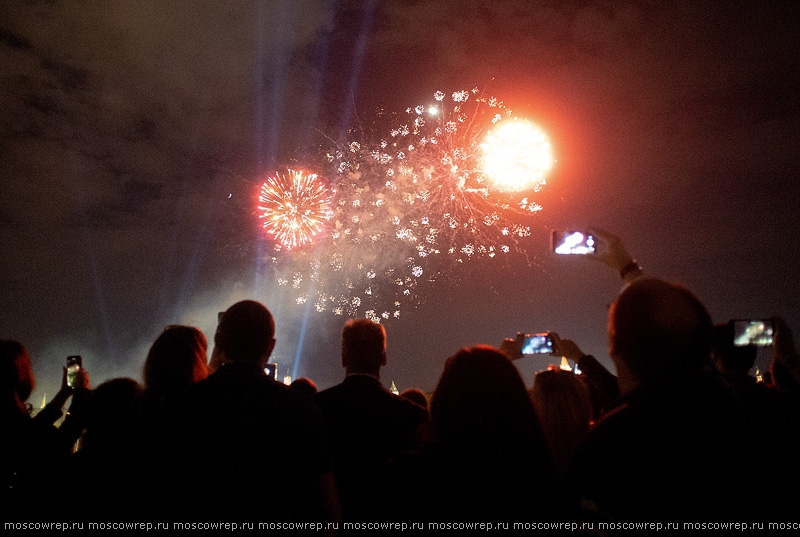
[(566, 348), (513, 347)]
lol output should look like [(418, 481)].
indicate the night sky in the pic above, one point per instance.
[(134, 135)]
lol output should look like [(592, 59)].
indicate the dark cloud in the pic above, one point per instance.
[(68, 78), (10, 39)]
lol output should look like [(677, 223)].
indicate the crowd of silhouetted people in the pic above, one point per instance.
[(681, 432)]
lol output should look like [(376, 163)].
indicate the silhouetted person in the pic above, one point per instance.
[(33, 453), (367, 425), (424, 434), (564, 409), (176, 360), (250, 447), (601, 383), (26, 451), (668, 448), (305, 386), (489, 458), (733, 364), (772, 416), (785, 367), (105, 472), (417, 396)]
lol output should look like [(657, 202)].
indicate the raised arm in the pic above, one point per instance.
[(601, 379), (610, 250)]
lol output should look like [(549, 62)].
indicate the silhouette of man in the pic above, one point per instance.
[(251, 446), (774, 417), (367, 424), (668, 447)]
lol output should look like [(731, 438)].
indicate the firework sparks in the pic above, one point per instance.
[(359, 265), (452, 165), (295, 207), (407, 209)]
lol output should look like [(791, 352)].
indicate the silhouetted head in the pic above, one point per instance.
[(304, 385), (363, 346), (176, 360), (489, 444), (16, 374), (730, 358), (113, 411), (561, 396), (246, 333), (417, 396), (564, 408), (658, 330), (481, 401)]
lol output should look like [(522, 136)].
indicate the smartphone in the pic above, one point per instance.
[(572, 242), (757, 333), (537, 344), (272, 371), (74, 364)]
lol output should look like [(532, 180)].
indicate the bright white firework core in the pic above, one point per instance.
[(516, 155)]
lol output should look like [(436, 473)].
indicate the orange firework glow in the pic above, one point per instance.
[(294, 207), (516, 155)]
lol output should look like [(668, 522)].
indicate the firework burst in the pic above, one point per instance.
[(516, 155), (442, 160), (404, 210), (358, 268), (294, 208)]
